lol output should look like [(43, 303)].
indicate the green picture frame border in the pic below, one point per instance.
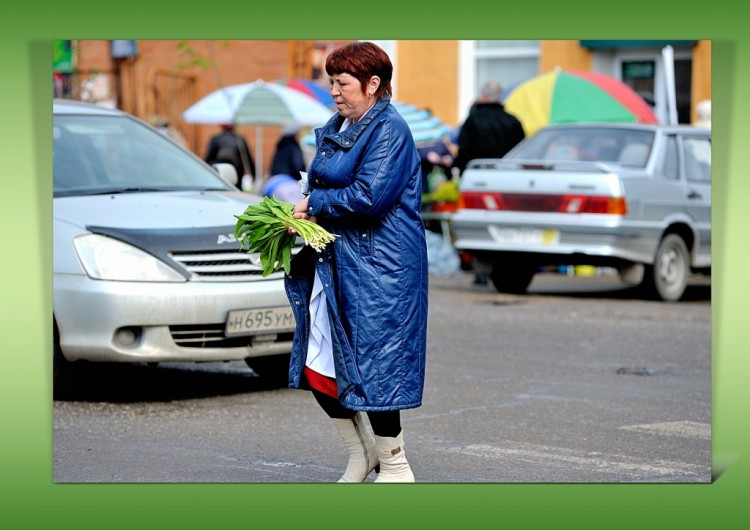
[(30, 499)]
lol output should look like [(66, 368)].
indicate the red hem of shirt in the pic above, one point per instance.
[(322, 383)]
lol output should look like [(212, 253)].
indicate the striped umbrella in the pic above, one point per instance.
[(575, 96), (257, 103), (425, 128), (310, 88)]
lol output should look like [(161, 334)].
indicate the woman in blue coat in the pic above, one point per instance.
[(361, 304)]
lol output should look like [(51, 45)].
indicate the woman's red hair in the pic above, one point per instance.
[(362, 60)]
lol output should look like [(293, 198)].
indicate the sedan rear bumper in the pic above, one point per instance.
[(555, 237)]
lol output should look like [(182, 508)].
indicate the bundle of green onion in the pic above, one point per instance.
[(264, 228)]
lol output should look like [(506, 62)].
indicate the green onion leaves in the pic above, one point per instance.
[(264, 228)]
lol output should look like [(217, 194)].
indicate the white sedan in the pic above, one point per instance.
[(145, 266)]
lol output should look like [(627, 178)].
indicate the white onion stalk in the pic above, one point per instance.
[(264, 228)]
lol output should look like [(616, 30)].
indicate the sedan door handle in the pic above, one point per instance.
[(692, 194)]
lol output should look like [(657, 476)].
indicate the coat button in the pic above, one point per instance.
[(320, 260)]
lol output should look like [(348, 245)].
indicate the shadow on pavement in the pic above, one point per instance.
[(547, 284), (693, 293), (125, 383)]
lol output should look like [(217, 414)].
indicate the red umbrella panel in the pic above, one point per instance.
[(310, 88), (575, 96)]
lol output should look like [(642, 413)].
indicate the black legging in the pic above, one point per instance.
[(386, 424)]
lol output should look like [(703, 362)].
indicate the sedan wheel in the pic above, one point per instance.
[(63, 371), (667, 278), (512, 277), (273, 368)]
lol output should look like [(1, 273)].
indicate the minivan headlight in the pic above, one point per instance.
[(104, 258)]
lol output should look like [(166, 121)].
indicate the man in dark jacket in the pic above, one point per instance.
[(231, 148), (489, 131)]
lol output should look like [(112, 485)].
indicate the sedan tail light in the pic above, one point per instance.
[(531, 202)]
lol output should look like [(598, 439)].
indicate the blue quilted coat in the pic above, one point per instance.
[(366, 187)]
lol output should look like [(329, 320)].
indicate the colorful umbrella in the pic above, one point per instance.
[(575, 96), (310, 88)]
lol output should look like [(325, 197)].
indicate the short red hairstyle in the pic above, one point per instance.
[(362, 60)]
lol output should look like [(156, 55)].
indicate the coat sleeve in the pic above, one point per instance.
[(388, 162)]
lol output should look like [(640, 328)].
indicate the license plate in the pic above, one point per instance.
[(524, 236), (259, 321)]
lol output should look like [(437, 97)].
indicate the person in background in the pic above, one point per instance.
[(437, 156), (283, 187), (703, 114), (489, 131), (231, 148), (288, 158), (361, 303)]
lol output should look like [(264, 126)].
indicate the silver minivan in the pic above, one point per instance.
[(145, 266)]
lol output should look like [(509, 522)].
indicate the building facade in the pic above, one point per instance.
[(446, 75), (159, 79)]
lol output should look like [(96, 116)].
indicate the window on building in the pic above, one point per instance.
[(683, 74), (506, 61), (640, 75)]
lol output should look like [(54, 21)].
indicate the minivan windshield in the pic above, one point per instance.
[(620, 145), (117, 154)]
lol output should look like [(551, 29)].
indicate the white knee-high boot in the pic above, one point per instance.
[(359, 441), (393, 464)]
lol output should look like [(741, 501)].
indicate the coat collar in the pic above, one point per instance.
[(350, 135)]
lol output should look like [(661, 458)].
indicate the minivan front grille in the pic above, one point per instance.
[(222, 265)]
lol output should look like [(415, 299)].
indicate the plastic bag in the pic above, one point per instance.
[(442, 258)]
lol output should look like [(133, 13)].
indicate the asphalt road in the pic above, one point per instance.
[(578, 381)]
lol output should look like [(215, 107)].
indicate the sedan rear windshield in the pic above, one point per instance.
[(113, 154), (626, 147)]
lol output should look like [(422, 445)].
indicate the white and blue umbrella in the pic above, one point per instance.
[(258, 103), (425, 128)]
